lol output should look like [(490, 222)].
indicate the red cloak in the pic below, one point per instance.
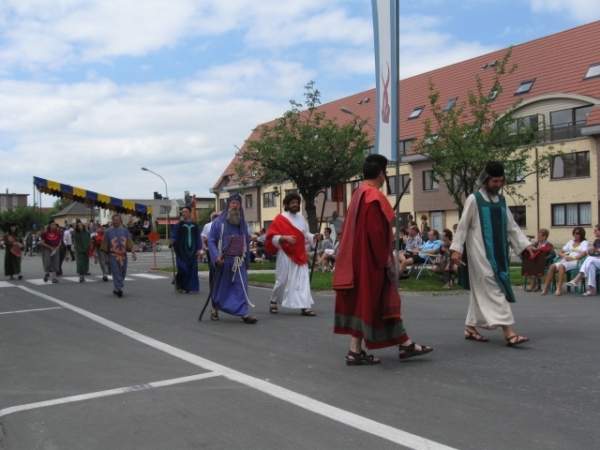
[(367, 303), (282, 226)]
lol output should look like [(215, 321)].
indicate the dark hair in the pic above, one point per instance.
[(436, 233), (448, 234), (371, 170), (288, 199), (327, 229), (581, 232), (403, 230)]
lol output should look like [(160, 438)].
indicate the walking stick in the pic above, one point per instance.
[(213, 282), (320, 224)]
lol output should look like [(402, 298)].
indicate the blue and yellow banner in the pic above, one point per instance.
[(90, 197)]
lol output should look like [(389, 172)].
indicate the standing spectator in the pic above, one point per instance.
[(367, 303), (50, 242), (424, 227), (68, 242), (83, 243), (336, 222), (29, 243), (204, 236), (13, 245), (116, 243)]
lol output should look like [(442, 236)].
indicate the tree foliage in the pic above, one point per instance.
[(60, 204), (306, 148), (25, 218), (460, 141)]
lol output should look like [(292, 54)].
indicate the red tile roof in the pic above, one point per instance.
[(558, 63)]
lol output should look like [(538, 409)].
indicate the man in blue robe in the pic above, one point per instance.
[(115, 245), (185, 239), (229, 247)]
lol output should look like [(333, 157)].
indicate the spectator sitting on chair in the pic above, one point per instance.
[(327, 260), (573, 251), (413, 242), (429, 248), (590, 266), (541, 242), (325, 243)]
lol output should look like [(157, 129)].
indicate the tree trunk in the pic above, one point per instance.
[(311, 213)]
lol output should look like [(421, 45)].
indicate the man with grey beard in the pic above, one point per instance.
[(486, 227), (229, 248)]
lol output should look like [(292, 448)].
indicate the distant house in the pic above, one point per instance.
[(75, 211), (9, 201)]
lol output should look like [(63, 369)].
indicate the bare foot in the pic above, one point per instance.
[(544, 291), (558, 292)]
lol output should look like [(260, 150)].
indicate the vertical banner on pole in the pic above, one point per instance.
[(386, 70)]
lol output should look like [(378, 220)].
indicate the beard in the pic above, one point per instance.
[(234, 217), (294, 209), (492, 191)]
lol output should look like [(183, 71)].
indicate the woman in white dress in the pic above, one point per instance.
[(573, 251)]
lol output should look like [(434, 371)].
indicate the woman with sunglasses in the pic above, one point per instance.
[(573, 251)]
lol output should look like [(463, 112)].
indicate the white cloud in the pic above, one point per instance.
[(584, 11)]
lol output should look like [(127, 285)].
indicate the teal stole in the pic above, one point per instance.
[(492, 218)]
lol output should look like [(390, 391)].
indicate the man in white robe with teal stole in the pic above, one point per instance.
[(486, 227)]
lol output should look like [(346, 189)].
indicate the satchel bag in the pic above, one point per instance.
[(535, 265)]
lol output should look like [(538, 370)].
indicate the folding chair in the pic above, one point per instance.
[(426, 265)]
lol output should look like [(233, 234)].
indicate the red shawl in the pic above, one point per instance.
[(282, 226)]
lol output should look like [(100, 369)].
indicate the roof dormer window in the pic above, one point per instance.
[(593, 71), (525, 87), (416, 112), (450, 104)]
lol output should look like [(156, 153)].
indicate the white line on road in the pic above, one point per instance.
[(123, 390), (31, 310), (392, 434), (6, 284)]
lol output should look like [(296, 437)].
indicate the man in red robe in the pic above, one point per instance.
[(367, 303)]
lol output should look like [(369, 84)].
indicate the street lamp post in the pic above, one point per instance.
[(166, 195), (347, 111)]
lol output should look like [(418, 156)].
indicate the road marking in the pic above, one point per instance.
[(361, 423), (123, 390), (31, 310), (149, 276), (6, 284), (76, 279)]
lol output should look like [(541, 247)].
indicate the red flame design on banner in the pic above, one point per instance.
[(385, 101)]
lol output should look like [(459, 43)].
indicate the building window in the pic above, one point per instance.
[(222, 204), (567, 123), (269, 199), (527, 128), (416, 112), (525, 87), (493, 94), (450, 104), (403, 180), (404, 146), (15, 200), (267, 224), (429, 184), (573, 165), (519, 213), (291, 191), (2, 200), (515, 172), (163, 210), (593, 71), (355, 184), (248, 198), (571, 214)]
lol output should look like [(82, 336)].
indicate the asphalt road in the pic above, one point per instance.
[(82, 369)]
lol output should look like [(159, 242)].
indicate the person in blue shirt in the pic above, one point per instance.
[(431, 248)]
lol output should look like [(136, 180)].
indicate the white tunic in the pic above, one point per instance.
[(292, 284), (488, 307)]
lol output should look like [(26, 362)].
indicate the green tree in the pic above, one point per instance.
[(306, 148), (204, 215), (25, 218), (460, 141), (61, 204)]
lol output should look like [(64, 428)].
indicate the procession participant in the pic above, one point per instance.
[(288, 236), (185, 240), (82, 242), (13, 244), (204, 235), (116, 243), (487, 226), (229, 247), (367, 303), (51, 243), (100, 254)]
